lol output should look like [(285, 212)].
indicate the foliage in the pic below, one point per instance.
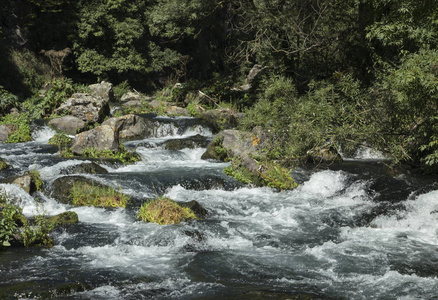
[(59, 91), (277, 177), (8, 225), (191, 108), (36, 178), (96, 195), (164, 211), (61, 140), (239, 173), (3, 164), (19, 124), (121, 89), (37, 232), (122, 154), (7, 100), (13, 225)]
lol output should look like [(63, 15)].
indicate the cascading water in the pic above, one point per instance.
[(334, 237)]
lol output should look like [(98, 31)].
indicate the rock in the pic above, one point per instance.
[(5, 130), (156, 104), (131, 96), (128, 126), (220, 119), (326, 154), (86, 107), (132, 103), (65, 218), (26, 182), (177, 111), (196, 141), (200, 212), (67, 124), (103, 137), (103, 90), (61, 188), (85, 168)]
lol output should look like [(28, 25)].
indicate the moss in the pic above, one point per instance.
[(164, 211), (36, 179), (83, 194), (68, 217), (3, 164)]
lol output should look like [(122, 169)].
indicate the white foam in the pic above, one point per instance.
[(43, 135)]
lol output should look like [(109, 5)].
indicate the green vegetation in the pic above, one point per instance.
[(164, 211), (122, 154), (19, 126), (62, 141), (96, 195), (344, 73), (36, 178), (14, 226)]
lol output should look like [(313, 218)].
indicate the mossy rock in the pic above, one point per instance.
[(65, 218), (27, 182), (199, 211), (84, 168), (82, 191), (165, 211), (3, 164)]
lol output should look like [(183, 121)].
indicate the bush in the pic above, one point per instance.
[(164, 211), (20, 127), (7, 100), (123, 155), (61, 140), (96, 195), (121, 89)]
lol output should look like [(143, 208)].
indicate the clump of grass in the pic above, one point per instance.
[(19, 124), (122, 154), (61, 140), (164, 211), (96, 195), (36, 178)]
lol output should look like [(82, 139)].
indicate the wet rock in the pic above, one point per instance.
[(86, 107), (128, 126), (220, 119), (200, 212), (103, 137), (65, 218), (85, 168), (191, 143), (26, 182), (103, 90), (67, 124), (62, 186)]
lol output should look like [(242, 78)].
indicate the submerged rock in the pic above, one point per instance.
[(84, 168), (199, 211), (67, 124), (103, 137)]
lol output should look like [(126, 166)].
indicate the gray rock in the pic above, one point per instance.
[(177, 111), (67, 124), (155, 104), (128, 127), (131, 96), (102, 90), (220, 119), (86, 107), (103, 137), (25, 182), (5, 130)]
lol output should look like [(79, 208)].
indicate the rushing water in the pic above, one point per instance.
[(344, 233)]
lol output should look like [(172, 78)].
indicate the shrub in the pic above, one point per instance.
[(164, 211), (20, 127), (7, 100), (61, 140), (96, 195), (121, 89)]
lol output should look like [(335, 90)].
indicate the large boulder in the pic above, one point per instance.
[(176, 111), (220, 119), (26, 182), (86, 107), (103, 90), (67, 124), (62, 187), (103, 137), (128, 127), (192, 142)]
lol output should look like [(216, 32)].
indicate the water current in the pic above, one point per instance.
[(347, 232)]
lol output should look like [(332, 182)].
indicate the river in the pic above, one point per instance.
[(347, 232)]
